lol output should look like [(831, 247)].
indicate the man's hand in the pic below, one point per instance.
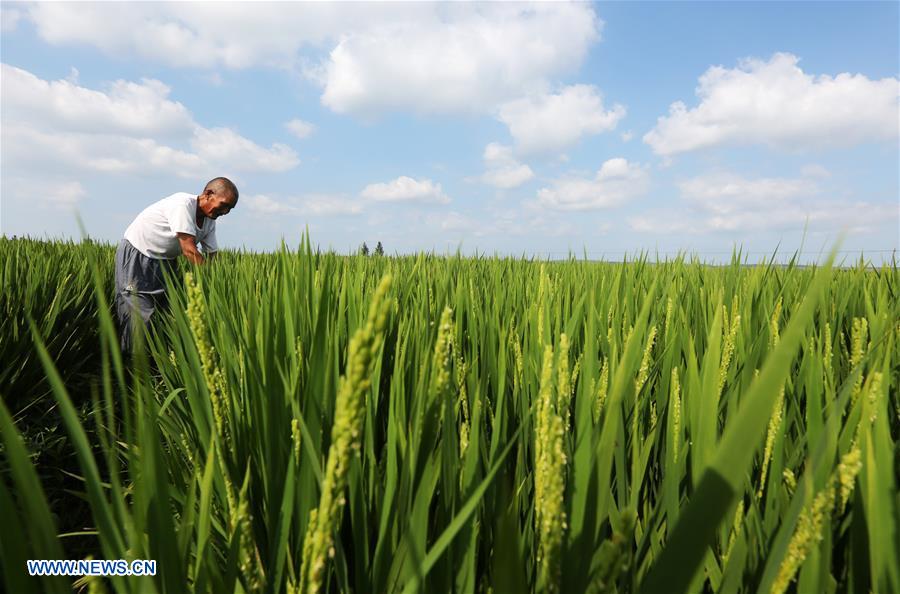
[(189, 248)]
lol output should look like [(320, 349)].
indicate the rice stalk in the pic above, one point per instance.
[(346, 434)]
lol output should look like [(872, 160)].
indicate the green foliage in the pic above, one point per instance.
[(408, 430), (50, 284)]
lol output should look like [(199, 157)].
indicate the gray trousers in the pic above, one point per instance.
[(140, 290)]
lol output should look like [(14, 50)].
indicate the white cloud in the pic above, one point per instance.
[(616, 182), (455, 221), (300, 128), (228, 149), (45, 192), (129, 128), (627, 136), (367, 57), (129, 108), (498, 154), (26, 148), (508, 177), (726, 202), (406, 189), (500, 223), (262, 204), (456, 57), (68, 193), (661, 221), (324, 205), (503, 170), (195, 35), (9, 19), (552, 122), (776, 103), (725, 194), (855, 217), (46, 206), (529, 221), (814, 170), (310, 205)]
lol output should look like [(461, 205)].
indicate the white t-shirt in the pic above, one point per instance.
[(154, 231)]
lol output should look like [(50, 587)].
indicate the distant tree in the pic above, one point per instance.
[(379, 249), (364, 250)]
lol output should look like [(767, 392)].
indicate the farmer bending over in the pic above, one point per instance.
[(164, 230)]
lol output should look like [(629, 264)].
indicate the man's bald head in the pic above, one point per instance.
[(218, 198), (222, 186)]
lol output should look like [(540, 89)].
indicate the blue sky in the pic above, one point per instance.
[(504, 127)]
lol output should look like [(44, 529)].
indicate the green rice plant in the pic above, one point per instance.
[(485, 424), (50, 284), (345, 438)]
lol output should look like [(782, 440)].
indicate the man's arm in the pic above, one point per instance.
[(189, 248)]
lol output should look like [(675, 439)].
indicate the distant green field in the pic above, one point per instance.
[(310, 422)]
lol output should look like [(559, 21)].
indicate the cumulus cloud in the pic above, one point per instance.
[(551, 122), (299, 128), (127, 128), (126, 107), (472, 60), (194, 35), (727, 202), (775, 103), (406, 189), (368, 58), (456, 57), (26, 148), (616, 182), (229, 150), (503, 170)]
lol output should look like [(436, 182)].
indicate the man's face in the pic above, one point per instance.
[(217, 203)]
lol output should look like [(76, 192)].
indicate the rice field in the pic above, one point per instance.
[(303, 421)]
